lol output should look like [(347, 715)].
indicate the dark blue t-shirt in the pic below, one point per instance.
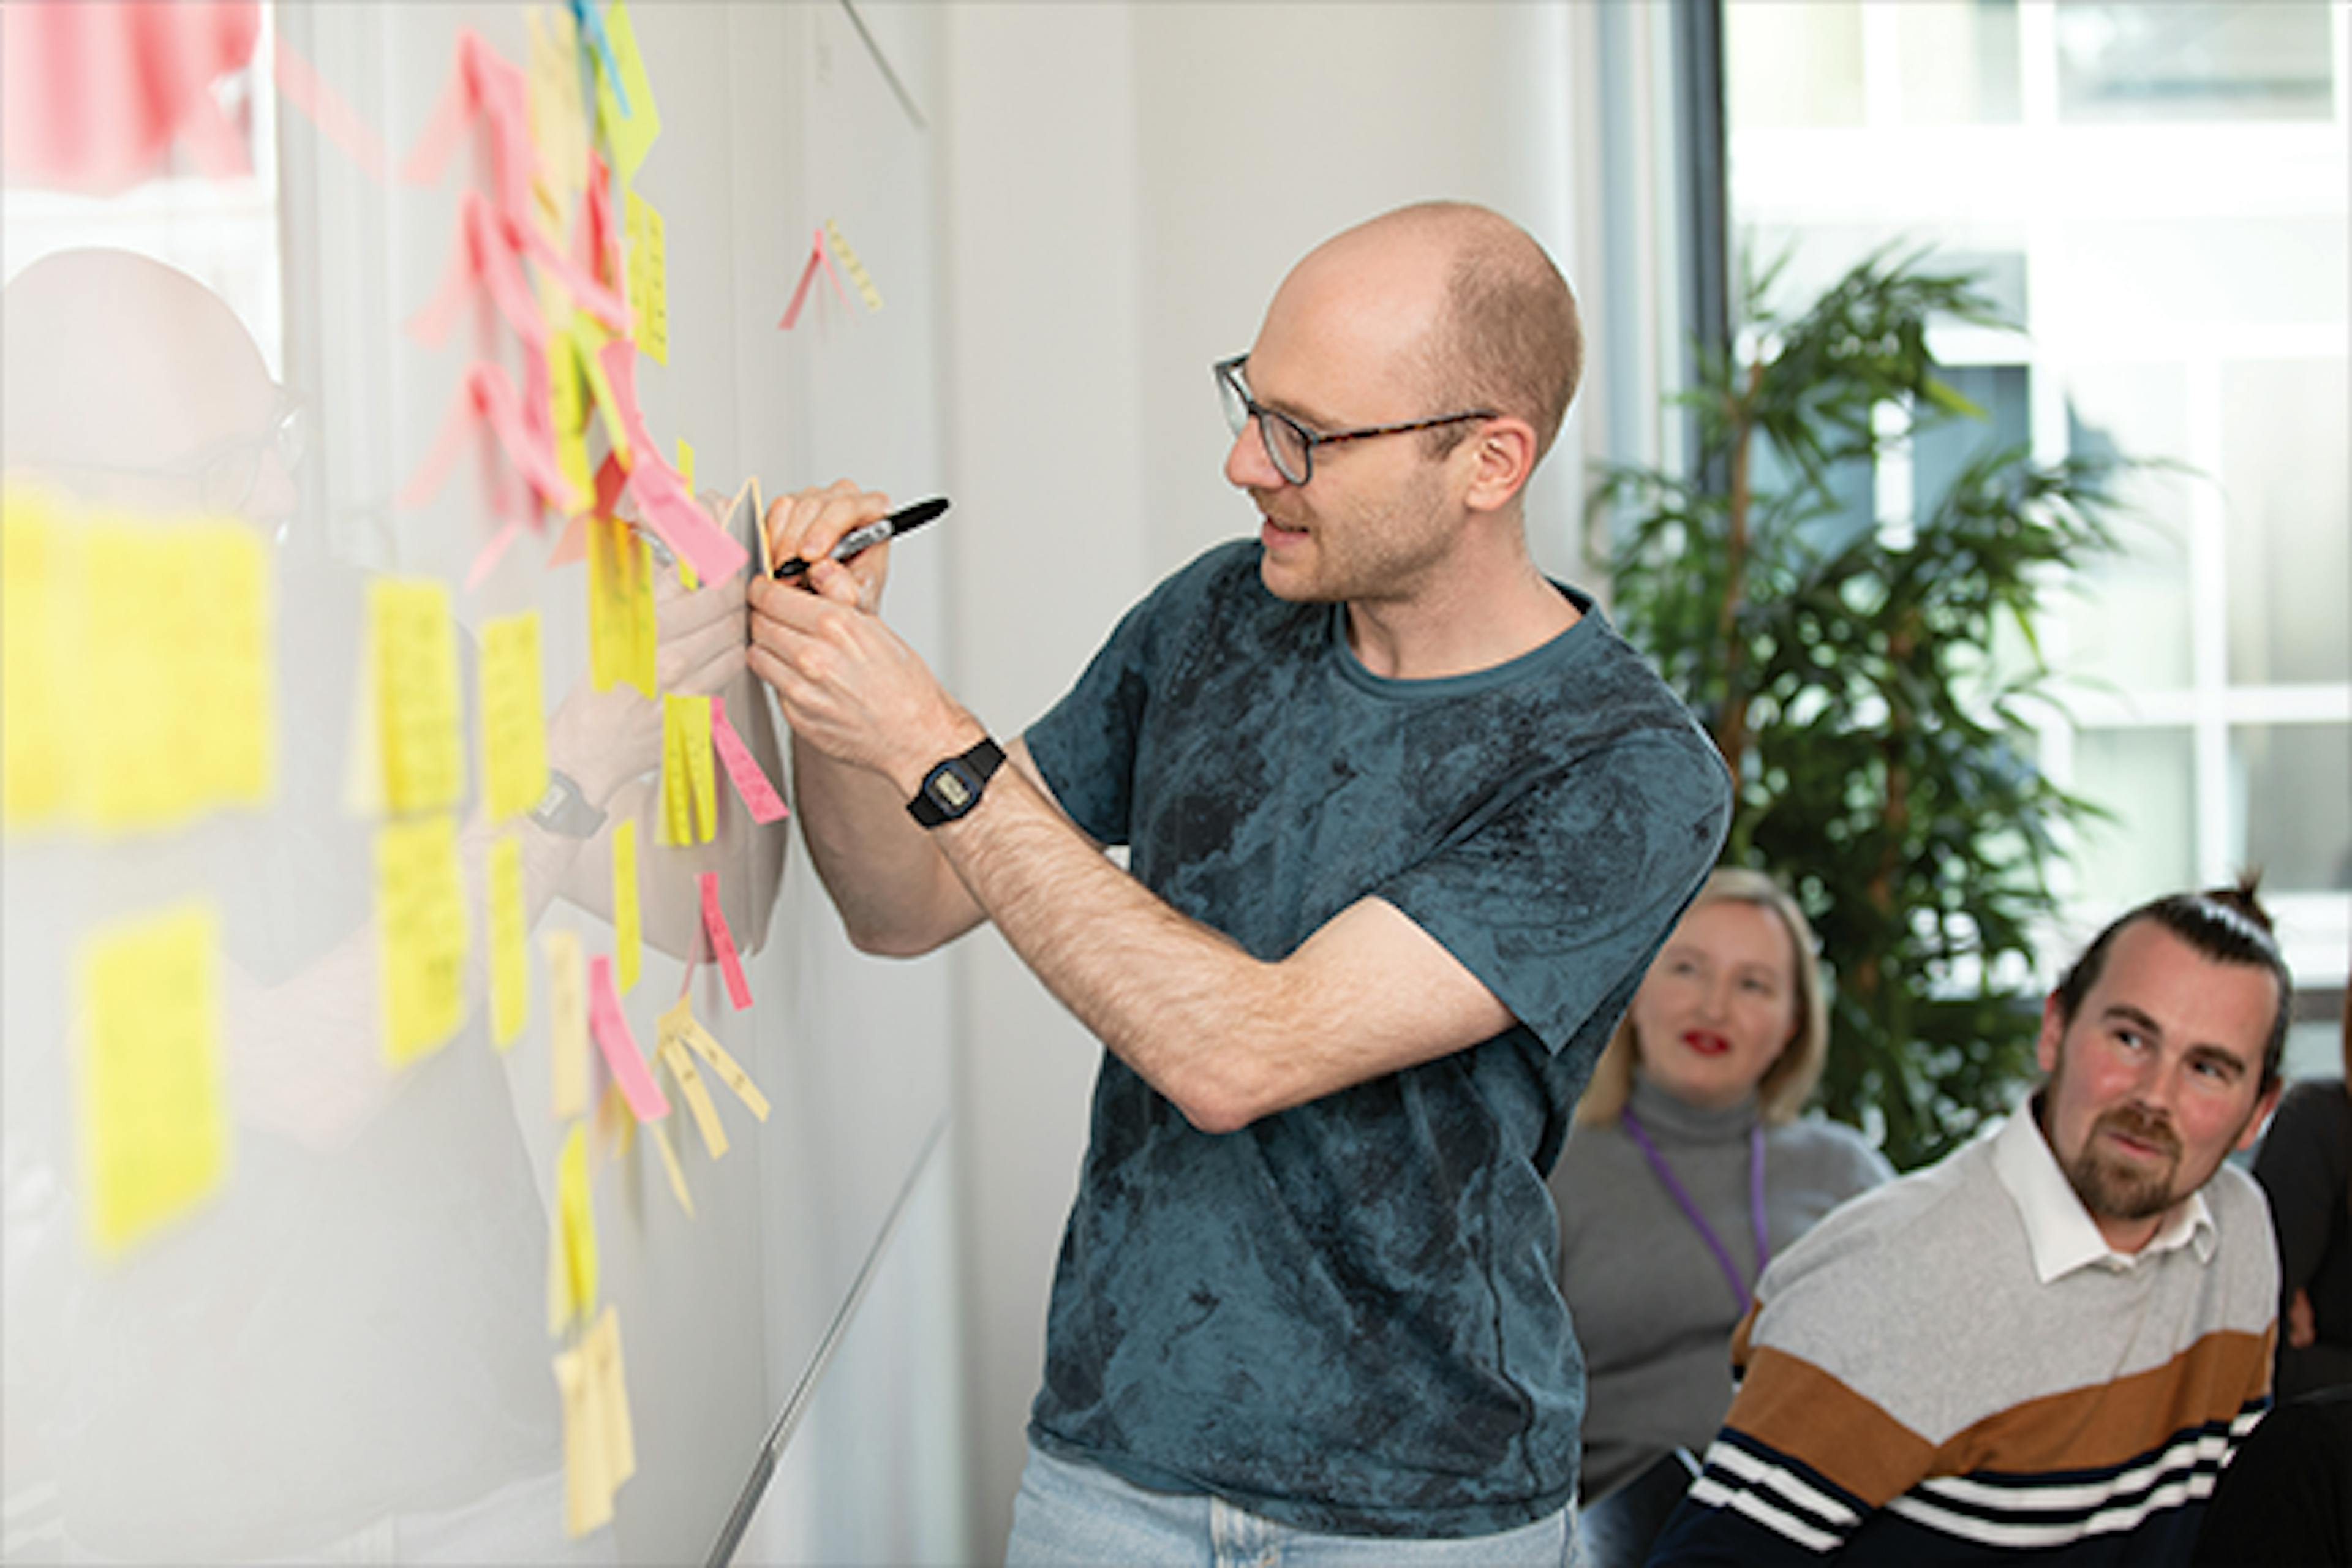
[(1344, 1316)]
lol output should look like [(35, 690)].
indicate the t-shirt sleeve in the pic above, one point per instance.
[(1558, 897)]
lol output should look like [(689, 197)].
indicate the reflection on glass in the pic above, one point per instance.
[(1959, 61), (1939, 451), (2127, 614), (2215, 59), (1793, 65), (2286, 476), (2287, 787), (2146, 779)]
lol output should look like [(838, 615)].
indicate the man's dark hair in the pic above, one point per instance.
[(2228, 925)]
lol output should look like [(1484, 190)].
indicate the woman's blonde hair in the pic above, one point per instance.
[(1789, 1080)]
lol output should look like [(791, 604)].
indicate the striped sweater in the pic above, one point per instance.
[(1955, 1368)]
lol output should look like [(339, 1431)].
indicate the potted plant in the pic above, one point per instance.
[(1845, 665)]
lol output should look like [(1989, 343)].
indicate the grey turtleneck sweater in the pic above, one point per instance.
[(1653, 1312)]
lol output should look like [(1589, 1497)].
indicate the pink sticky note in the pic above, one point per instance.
[(597, 298), (825, 252), (492, 553), (609, 1024), (751, 783), (486, 396), (484, 252), (480, 86), (722, 942), (669, 510), (300, 84), (95, 96), (800, 290), (611, 480)]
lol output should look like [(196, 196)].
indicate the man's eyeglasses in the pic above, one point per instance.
[(225, 475), (1290, 446)]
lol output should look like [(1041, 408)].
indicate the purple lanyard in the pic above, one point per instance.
[(1740, 1291)]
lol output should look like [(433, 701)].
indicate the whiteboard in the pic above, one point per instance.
[(346, 1348)]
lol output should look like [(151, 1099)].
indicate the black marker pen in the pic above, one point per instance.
[(906, 519)]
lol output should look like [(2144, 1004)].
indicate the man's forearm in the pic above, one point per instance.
[(895, 892)]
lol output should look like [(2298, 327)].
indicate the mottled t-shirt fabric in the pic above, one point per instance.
[(1344, 1317)]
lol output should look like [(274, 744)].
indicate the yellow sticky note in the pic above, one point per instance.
[(603, 1350), (510, 967), (680, 1020), (224, 664), (587, 1484), (412, 653), (648, 271), (154, 1106), (514, 724), (615, 1122), (567, 1024), (421, 926), (685, 477), (576, 1214), (628, 943), (630, 136), (132, 771), (558, 115), (567, 409), (40, 622), (587, 337), (622, 631), (675, 1057), (660, 1136), (689, 774), (858, 278)]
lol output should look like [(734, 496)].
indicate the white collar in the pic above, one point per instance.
[(2060, 1230)]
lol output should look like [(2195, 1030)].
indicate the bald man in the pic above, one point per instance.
[(1406, 822)]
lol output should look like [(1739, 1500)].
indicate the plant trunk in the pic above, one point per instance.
[(1731, 721)]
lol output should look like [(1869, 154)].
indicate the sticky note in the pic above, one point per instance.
[(628, 939), (150, 1072), (587, 1488), (621, 628), (567, 1024), (722, 942), (610, 1025), (132, 771), (686, 576), (420, 935), (630, 136), (689, 780), (40, 627), (514, 724), (575, 1241), (760, 796), (680, 1019), (676, 1056), (648, 269), (856, 268), (413, 655), (676, 1173), (801, 289), (510, 964), (557, 114), (615, 1123), (587, 352), (223, 663), (567, 410), (603, 1348)]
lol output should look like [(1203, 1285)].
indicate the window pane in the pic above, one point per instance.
[(2127, 615), (1938, 452), (2291, 787), (2219, 60), (2145, 778), (1793, 65), (2140, 273), (1959, 61), (2286, 477)]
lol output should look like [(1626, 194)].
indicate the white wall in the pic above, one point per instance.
[(1125, 185)]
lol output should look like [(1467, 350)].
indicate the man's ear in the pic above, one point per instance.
[(1503, 456), (2263, 1106), (2053, 1030)]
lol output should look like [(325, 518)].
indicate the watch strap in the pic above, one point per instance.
[(564, 810), (954, 786)]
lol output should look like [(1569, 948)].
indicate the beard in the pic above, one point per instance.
[(2112, 1189)]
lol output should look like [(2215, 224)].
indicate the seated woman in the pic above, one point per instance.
[(1689, 1169)]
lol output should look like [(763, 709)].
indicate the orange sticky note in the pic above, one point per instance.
[(150, 1071)]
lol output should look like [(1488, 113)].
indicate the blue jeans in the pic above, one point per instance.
[(1078, 1516)]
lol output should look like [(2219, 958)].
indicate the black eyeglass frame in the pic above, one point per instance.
[(1235, 394)]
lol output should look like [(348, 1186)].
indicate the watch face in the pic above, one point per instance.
[(951, 790)]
